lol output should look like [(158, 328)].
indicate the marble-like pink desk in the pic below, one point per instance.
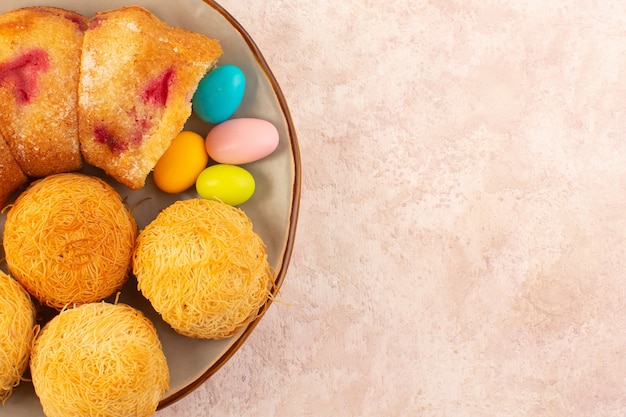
[(462, 240)]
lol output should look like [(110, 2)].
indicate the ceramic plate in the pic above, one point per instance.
[(273, 208)]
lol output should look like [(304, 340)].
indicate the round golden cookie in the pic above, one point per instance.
[(203, 268), (17, 323), (99, 359), (69, 239)]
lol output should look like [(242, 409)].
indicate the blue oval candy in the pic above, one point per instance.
[(219, 94)]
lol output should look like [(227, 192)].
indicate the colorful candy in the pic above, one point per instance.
[(219, 94), (230, 184), (229, 143), (181, 164), (241, 141)]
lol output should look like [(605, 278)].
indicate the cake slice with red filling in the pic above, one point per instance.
[(138, 76), (39, 69)]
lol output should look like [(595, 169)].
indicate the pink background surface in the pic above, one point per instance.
[(461, 246)]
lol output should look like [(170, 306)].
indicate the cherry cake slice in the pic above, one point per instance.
[(137, 78), (39, 70)]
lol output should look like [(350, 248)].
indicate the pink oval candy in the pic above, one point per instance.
[(240, 141)]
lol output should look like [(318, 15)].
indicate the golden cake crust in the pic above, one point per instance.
[(138, 76), (39, 69), (11, 176)]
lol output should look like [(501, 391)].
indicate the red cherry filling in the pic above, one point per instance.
[(118, 143), (157, 89), (81, 24), (22, 72), (96, 21), (153, 98), (105, 136)]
